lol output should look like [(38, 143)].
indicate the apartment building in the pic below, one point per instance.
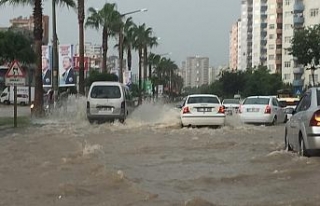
[(234, 46), (274, 35), (93, 52), (298, 14), (245, 35), (197, 71), (28, 24)]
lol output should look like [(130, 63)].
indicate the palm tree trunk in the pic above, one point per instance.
[(104, 49), (81, 46), (38, 32), (140, 76), (129, 58), (145, 63), (121, 55)]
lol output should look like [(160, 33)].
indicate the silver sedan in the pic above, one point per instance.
[(302, 132)]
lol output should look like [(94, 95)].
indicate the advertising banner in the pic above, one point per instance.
[(66, 67), (46, 66), (76, 61), (127, 80)]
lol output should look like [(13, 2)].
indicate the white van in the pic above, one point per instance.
[(108, 101)]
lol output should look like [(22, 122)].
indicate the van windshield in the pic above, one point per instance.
[(105, 92)]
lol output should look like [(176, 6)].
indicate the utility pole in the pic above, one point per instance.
[(55, 60), (81, 17)]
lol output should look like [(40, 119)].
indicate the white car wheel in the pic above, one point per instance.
[(302, 148), (287, 146)]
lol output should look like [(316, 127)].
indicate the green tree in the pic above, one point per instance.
[(15, 46), (108, 19), (95, 75), (305, 47)]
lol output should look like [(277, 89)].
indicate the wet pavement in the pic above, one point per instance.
[(63, 160)]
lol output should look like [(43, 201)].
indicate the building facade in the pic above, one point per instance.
[(245, 35), (197, 71), (94, 52), (233, 45), (28, 24)]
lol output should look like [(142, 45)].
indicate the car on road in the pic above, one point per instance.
[(202, 110), (302, 131), (108, 101), (289, 104), (262, 110), (231, 105)]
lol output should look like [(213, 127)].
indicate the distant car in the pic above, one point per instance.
[(231, 105), (202, 110), (302, 131), (290, 103), (262, 110)]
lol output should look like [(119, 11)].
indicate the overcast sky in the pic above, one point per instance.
[(186, 27)]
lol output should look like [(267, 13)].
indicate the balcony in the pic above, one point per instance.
[(297, 82), (298, 70), (298, 19), (279, 31), (279, 10), (278, 61), (298, 7), (279, 42), (279, 1), (278, 51), (279, 20)]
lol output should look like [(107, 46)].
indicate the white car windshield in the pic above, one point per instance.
[(262, 101), (230, 101), (203, 99)]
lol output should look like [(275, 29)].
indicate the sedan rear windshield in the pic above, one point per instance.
[(262, 101), (203, 99), (105, 92), (230, 101)]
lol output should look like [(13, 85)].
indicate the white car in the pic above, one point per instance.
[(202, 110), (231, 105), (262, 110)]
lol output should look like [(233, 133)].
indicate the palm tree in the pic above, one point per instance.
[(81, 17), (38, 34), (107, 18), (129, 39)]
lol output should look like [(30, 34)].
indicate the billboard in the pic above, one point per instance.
[(46, 66), (127, 79), (76, 60), (66, 67)]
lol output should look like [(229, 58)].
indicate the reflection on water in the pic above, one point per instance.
[(150, 160)]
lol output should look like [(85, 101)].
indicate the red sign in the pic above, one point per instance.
[(15, 71), (76, 61)]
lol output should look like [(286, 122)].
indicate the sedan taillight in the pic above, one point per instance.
[(221, 110), (315, 119), (267, 110), (185, 110)]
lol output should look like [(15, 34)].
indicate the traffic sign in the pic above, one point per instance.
[(15, 76)]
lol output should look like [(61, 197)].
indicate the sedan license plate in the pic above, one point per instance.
[(253, 110), (204, 110)]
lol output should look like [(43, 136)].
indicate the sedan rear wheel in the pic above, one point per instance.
[(287, 146), (302, 148)]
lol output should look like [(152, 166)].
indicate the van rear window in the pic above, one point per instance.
[(105, 92)]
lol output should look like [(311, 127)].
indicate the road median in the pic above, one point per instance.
[(7, 122)]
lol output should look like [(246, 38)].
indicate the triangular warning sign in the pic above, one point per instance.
[(15, 71)]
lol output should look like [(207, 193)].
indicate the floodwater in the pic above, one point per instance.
[(63, 160)]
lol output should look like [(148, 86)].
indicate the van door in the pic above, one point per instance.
[(129, 100)]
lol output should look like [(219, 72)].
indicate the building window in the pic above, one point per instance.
[(271, 26), (287, 26), (271, 36), (287, 76), (272, 17), (271, 57), (287, 2), (314, 12), (271, 46), (287, 64), (287, 13)]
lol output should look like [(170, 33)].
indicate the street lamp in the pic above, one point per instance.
[(121, 42)]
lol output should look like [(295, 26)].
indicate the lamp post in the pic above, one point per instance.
[(121, 42)]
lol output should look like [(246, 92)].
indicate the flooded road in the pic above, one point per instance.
[(63, 160)]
